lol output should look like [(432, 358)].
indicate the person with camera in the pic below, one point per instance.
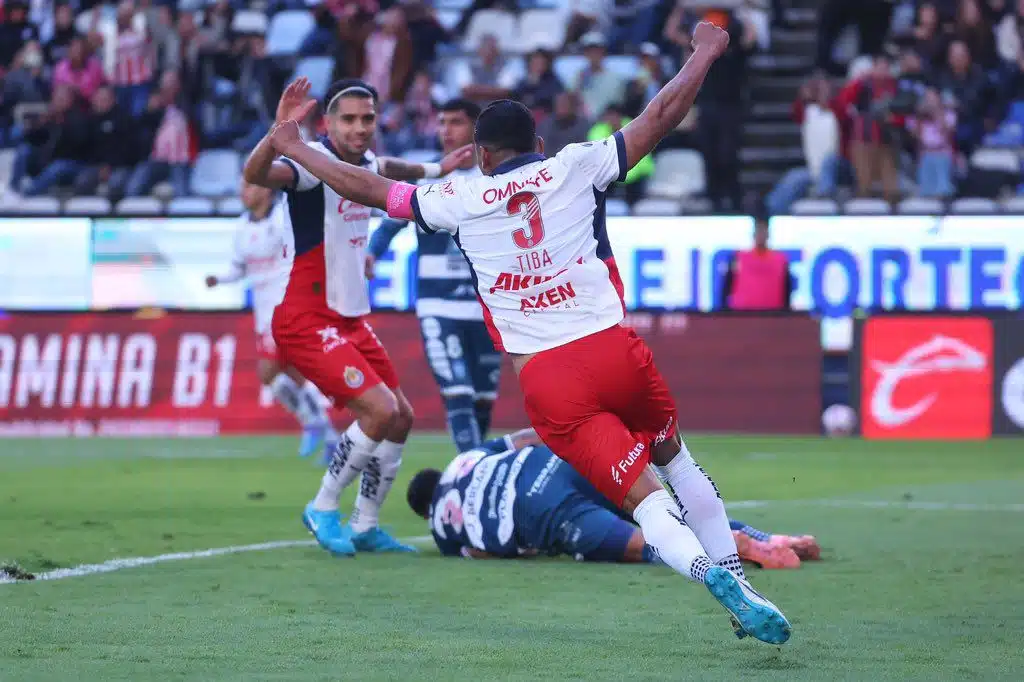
[(933, 129), (875, 129)]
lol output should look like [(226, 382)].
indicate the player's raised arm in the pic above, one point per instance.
[(262, 168), (670, 106)]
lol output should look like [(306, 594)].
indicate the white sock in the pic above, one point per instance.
[(374, 485), (350, 456), (662, 525), (301, 401), (703, 510)]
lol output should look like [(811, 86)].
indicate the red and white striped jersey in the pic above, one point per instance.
[(535, 237), (171, 142), (133, 58)]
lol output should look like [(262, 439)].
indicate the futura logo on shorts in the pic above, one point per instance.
[(330, 338), (626, 462)]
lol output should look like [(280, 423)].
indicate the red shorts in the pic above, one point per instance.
[(266, 349), (340, 355), (600, 404)]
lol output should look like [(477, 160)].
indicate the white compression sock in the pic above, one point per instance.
[(662, 525), (703, 510), (353, 452), (374, 485), (301, 401)]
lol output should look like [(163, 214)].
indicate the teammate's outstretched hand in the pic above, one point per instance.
[(284, 135), (709, 36), (460, 158), (295, 103)]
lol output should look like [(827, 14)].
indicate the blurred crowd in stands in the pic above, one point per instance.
[(119, 100)]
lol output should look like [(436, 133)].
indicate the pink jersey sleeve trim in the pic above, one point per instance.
[(400, 200)]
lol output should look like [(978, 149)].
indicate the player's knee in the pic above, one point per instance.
[(379, 412), (267, 370), (402, 421)]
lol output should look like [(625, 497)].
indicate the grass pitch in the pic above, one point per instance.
[(921, 577)]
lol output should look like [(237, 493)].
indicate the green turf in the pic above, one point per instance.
[(902, 594)]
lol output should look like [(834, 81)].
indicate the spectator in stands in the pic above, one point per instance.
[(928, 39), (57, 142), (873, 145), (170, 156), (649, 80), (467, 15), (112, 153), (133, 61), (934, 128), (15, 32), (721, 101), (966, 83), (633, 23), (381, 54), (612, 121), (163, 36), (598, 86), (540, 86), (824, 146), (322, 37), (758, 278), (80, 70), (425, 29), (63, 33), (566, 126), (972, 28), (24, 89), (871, 17), (486, 77), (1010, 35), (411, 124)]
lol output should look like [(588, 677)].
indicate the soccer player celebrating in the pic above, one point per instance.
[(513, 497), (458, 348), (533, 232), (320, 326), (263, 256)]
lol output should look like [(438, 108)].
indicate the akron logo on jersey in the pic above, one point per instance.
[(353, 377)]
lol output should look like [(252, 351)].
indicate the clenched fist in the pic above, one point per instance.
[(710, 37)]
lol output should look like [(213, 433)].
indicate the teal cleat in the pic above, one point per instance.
[(326, 527), (752, 614), (377, 540), (313, 434)]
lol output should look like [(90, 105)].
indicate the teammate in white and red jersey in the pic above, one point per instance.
[(320, 326), (263, 255), (533, 231)]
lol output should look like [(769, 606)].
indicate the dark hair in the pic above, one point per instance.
[(469, 108), (506, 124), (348, 87), (421, 490)]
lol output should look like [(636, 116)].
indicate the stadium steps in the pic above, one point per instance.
[(771, 140)]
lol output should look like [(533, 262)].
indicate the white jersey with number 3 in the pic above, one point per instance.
[(535, 236)]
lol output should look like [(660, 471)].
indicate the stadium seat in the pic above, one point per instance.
[(626, 66), (696, 206), (286, 32), (197, 206), (1013, 205), (30, 205), (502, 25), (867, 207), (616, 208), (656, 207), (542, 28), (92, 206), (978, 205), (814, 207), (249, 22), (319, 71), (230, 206), (677, 173), (568, 68), (921, 206), (139, 206), (7, 157), (997, 160), (217, 173)]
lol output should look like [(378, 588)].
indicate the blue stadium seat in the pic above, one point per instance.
[(974, 205), (139, 206), (568, 68), (616, 208), (217, 173), (921, 206), (287, 31), (230, 206), (656, 207), (542, 28), (318, 70), (678, 173), (814, 207), (91, 206), (190, 206)]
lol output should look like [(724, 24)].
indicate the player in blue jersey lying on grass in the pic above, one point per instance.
[(514, 497)]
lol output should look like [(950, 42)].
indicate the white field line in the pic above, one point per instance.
[(135, 562)]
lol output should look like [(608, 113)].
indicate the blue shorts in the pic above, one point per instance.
[(462, 357), (559, 512)]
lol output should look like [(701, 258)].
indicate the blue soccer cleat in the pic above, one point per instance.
[(313, 434), (326, 527), (754, 615), (330, 443), (377, 540)]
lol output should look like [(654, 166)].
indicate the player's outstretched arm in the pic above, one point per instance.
[(352, 182), (398, 169), (670, 106)]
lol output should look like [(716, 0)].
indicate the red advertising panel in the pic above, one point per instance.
[(184, 374), (926, 377)]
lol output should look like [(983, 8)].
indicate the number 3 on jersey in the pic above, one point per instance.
[(528, 205)]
